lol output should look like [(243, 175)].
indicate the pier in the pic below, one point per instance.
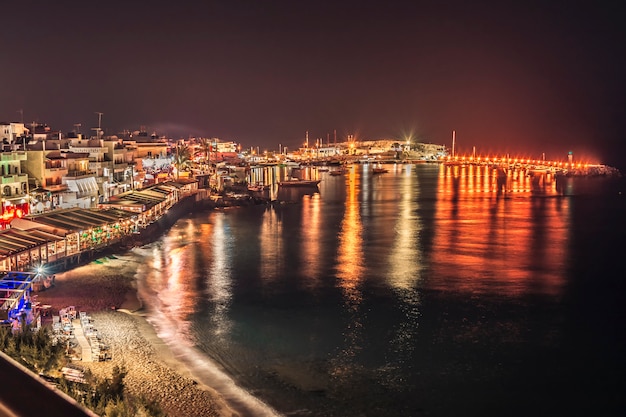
[(569, 168)]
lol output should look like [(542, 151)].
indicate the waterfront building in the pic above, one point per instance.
[(62, 236), (59, 178), (27, 243), (87, 229), (122, 166), (14, 200), (151, 203)]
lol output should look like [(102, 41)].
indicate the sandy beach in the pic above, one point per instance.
[(153, 372)]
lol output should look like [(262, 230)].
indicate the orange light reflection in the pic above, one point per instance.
[(311, 241), (479, 232)]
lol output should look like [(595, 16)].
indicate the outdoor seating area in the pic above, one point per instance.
[(77, 331), (17, 308)]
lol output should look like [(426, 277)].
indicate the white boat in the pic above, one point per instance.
[(337, 172), (257, 188), (292, 164), (295, 182)]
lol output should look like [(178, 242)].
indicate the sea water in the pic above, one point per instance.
[(428, 290)]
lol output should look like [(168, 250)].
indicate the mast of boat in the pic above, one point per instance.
[(453, 141)]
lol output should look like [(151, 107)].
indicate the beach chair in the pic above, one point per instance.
[(56, 324)]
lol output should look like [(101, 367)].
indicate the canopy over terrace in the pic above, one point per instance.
[(14, 292), (77, 220), (80, 231), (21, 247), (144, 199)]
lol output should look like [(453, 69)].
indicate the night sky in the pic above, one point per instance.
[(518, 77)]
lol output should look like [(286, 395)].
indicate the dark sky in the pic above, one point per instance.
[(518, 77)]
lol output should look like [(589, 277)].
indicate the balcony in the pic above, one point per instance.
[(76, 174), (16, 178), (13, 156)]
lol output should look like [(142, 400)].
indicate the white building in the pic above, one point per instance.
[(12, 135)]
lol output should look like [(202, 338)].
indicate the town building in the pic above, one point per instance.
[(14, 188)]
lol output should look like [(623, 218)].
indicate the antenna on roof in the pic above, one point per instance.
[(99, 124)]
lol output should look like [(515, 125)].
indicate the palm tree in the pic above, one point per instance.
[(205, 147), (182, 158)]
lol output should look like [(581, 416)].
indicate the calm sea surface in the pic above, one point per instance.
[(428, 290)]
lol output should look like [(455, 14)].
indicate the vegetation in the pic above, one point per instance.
[(34, 350), (38, 352), (206, 148), (182, 158)]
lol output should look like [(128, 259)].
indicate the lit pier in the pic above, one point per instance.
[(531, 165)]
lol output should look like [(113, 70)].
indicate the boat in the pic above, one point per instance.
[(257, 188), (379, 170), (337, 172), (294, 182)]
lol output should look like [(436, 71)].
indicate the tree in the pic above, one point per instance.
[(206, 148), (182, 158)]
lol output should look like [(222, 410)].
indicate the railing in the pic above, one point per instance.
[(80, 173)]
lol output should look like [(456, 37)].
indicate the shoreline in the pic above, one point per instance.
[(153, 371)]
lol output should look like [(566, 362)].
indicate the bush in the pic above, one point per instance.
[(38, 352)]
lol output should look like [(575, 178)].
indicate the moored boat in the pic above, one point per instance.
[(257, 188), (294, 182)]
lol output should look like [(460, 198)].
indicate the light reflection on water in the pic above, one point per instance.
[(272, 247), (350, 271), (326, 295), (311, 229), (219, 279), (490, 241), (350, 262)]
